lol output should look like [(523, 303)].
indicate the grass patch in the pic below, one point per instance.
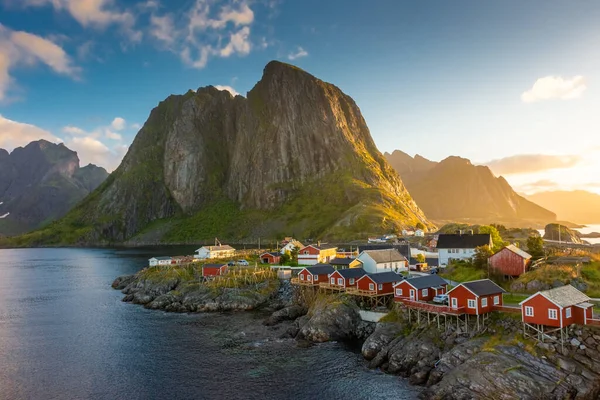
[(513, 299), (462, 273), (392, 316)]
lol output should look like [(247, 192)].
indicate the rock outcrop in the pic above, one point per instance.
[(561, 233), (456, 190), (336, 320), (41, 182), (294, 155)]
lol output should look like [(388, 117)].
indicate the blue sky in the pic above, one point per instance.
[(507, 83)]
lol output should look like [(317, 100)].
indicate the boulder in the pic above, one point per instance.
[(285, 314), (122, 281), (331, 320), (384, 333)]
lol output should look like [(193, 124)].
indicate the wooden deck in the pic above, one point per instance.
[(508, 309), (433, 308), (329, 286), (365, 293), (296, 281)]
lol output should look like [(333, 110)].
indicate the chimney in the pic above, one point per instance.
[(319, 243)]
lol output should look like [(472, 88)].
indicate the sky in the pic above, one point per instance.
[(509, 84)]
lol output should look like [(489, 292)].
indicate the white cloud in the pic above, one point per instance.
[(555, 87), (73, 130), (136, 126), (18, 48), (118, 124), (17, 134), (113, 135), (227, 88), (529, 163), (93, 151), (238, 43), (163, 28), (299, 53)]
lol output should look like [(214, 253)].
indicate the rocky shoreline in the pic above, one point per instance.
[(452, 364)]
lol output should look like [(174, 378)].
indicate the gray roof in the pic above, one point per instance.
[(352, 272), (162, 258), (386, 255), (429, 281), (320, 269), (518, 251), (341, 261), (385, 277), (463, 241), (430, 261), (217, 248), (483, 287), (565, 296), (403, 247)]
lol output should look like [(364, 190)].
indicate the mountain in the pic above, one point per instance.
[(40, 183), (456, 190), (577, 206), (294, 157)]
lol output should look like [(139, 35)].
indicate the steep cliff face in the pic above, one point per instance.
[(456, 190), (41, 182), (294, 156)]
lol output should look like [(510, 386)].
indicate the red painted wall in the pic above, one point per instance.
[(463, 295), (305, 274), (541, 305), (270, 258), (213, 271), (311, 250), (507, 262)]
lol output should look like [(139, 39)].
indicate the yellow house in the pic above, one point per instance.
[(345, 263)]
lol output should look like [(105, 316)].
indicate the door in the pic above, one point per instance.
[(454, 302), (412, 294)]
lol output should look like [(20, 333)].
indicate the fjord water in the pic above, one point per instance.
[(65, 334)]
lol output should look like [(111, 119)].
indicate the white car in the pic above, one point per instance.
[(243, 263), (441, 299)]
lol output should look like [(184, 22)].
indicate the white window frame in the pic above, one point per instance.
[(484, 302), (471, 303), (568, 312), (306, 252), (332, 280), (352, 281), (398, 291), (454, 302), (380, 286), (552, 313), (316, 278), (371, 286), (341, 281), (528, 311), (496, 300), (425, 292), (309, 277), (301, 277)]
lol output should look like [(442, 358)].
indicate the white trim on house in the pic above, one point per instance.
[(553, 314), (529, 311)]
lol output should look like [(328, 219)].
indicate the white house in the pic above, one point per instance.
[(460, 246), (420, 233), (385, 260), (206, 252), (154, 261), (290, 245), (312, 254)]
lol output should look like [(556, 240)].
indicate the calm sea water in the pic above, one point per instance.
[(65, 334)]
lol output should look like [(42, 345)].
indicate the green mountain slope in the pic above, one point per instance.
[(295, 156)]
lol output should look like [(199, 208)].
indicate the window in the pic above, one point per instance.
[(398, 292), (306, 252), (528, 311), (380, 287), (371, 286), (484, 302), (309, 277), (301, 277), (384, 265), (352, 281), (552, 314), (424, 292), (454, 302), (340, 281), (568, 312), (471, 304), (496, 300), (332, 280), (316, 278)]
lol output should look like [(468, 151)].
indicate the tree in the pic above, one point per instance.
[(535, 246), (482, 254), (498, 242), (420, 258)]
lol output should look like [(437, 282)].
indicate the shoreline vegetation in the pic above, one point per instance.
[(496, 362)]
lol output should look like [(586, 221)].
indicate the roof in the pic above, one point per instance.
[(214, 265), (162, 258), (428, 281), (272, 253), (352, 272), (464, 241), (383, 256), (217, 248), (430, 261), (294, 243), (517, 251), (320, 269), (564, 296), (402, 247), (385, 277), (482, 287), (342, 261)]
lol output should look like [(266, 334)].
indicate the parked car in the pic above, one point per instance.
[(231, 264), (433, 271), (243, 263), (441, 299)]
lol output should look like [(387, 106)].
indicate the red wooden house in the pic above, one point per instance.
[(558, 307), (345, 278), (315, 274), (270, 258), (423, 288), (380, 283), (510, 261), (476, 297), (209, 270)]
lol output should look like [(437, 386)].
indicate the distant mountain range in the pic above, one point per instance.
[(458, 191), (577, 206), (40, 183)]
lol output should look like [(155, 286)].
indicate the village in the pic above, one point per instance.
[(388, 274)]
